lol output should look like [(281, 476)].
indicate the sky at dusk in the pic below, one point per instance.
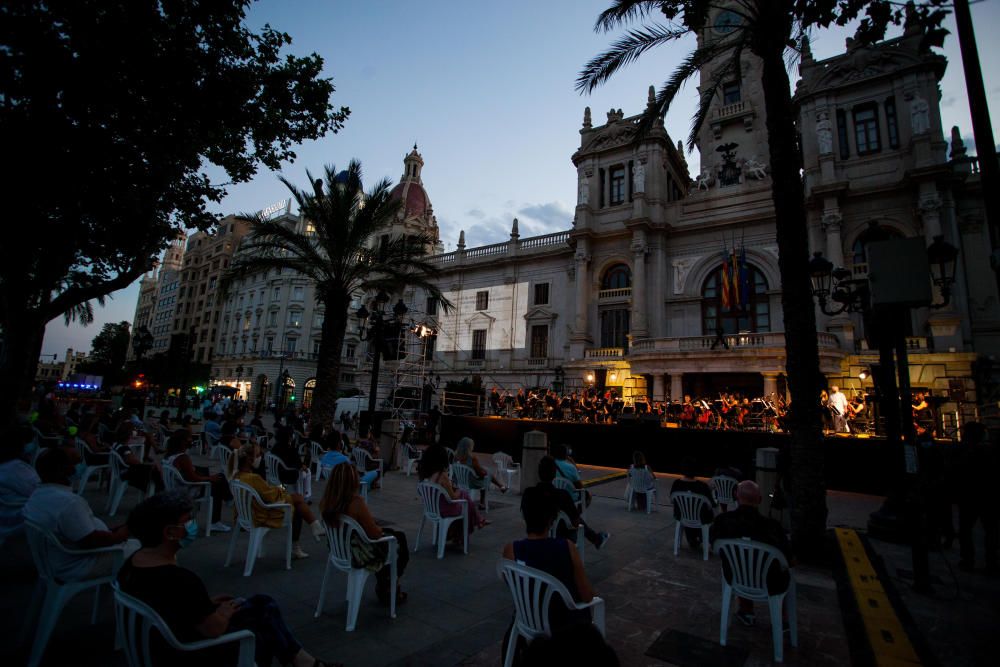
[(486, 91)]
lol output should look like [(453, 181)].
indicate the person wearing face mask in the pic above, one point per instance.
[(247, 460), (164, 525), (18, 479), (69, 518)]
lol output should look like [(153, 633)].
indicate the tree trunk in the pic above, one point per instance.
[(808, 484), (331, 348), (23, 334)]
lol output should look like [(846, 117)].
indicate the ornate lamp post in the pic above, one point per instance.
[(373, 326), (884, 314)]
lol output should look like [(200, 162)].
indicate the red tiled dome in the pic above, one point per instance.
[(415, 202)]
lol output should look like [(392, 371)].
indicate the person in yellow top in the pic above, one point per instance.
[(247, 460)]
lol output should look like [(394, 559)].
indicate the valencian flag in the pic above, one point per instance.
[(744, 278), (726, 281)]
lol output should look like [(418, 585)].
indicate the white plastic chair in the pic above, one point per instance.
[(533, 591), (197, 492), (12, 507), (640, 481), (274, 466), (264, 442), (211, 441), (361, 459), (431, 496), (413, 455), (244, 499), (52, 591), (463, 475), (505, 468), (46, 440), (451, 455), (315, 454), (119, 485), (89, 469), (225, 456), (563, 519), (340, 559), (750, 562), (578, 496), (690, 505), (724, 489), (135, 620)]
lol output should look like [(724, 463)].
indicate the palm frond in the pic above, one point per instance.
[(625, 11), (624, 51)]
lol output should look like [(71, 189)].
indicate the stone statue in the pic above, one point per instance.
[(755, 169), (705, 179), (824, 132), (958, 149), (919, 115), (639, 178), (583, 194)]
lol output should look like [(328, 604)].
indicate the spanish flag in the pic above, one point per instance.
[(726, 283)]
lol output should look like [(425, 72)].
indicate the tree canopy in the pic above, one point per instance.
[(108, 351)]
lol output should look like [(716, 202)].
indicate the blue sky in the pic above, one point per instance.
[(486, 91)]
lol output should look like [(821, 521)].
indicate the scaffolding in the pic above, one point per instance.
[(634, 387), (410, 373)]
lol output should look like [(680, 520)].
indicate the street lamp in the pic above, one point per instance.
[(373, 326), (239, 376), (884, 317)]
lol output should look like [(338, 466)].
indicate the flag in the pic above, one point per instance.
[(726, 283), (734, 278), (744, 283)]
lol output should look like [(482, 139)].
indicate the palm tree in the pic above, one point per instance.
[(766, 28), (343, 254)]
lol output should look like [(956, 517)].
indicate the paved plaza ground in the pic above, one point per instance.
[(458, 609)]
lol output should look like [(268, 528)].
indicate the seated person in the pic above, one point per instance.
[(18, 480), (370, 445), (178, 457), (334, 456), (563, 501), (257, 424), (747, 521), (566, 468), (638, 463), (433, 467), (297, 469), (341, 498), (554, 555), (212, 428), (481, 481), (246, 460), (573, 645), (139, 475), (69, 518), (229, 434), (689, 483), (164, 525)]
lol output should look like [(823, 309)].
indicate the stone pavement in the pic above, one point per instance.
[(458, 609)]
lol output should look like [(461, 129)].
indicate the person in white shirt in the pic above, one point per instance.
[(18, 479), (69, 518), (838, 407)]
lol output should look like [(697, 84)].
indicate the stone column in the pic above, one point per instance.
[(639, 328), (677, 386), (831, 227), (582, 260), (770, 383)]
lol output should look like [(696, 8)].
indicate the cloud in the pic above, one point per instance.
[(949, 101), (545, 218), (487, 227), (475, 213)]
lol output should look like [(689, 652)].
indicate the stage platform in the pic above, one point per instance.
[(859, 464)]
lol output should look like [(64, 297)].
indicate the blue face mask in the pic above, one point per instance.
[(78, 471), (191, 532)]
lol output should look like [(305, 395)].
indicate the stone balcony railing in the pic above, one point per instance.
[(617, 294), (604, 353), (739, 341), (734, 109), (506, 249)]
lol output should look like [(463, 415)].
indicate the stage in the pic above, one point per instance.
[(859, 464)]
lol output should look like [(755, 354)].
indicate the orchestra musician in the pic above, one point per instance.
[(837, 404), (494, 400), (923, 416)]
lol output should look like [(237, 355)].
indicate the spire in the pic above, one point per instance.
[(807, 54), (412, 164), (461, 240), (586, 119), (513, 230), (651, 97)]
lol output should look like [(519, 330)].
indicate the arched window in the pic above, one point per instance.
[(616, 277), (307, 393), (859, 257), (748, 306)]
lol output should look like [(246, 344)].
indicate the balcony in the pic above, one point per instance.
[(604, 353), (617, 294), (538, 362), (739, 341)]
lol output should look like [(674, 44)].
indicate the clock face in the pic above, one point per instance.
[(727, 21)]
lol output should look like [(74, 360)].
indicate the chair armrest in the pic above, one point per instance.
[(597, 604), (227, 638), (457, 501), (276, 506), (96, 550)]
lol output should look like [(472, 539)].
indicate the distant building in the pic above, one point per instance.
[(54, 370)]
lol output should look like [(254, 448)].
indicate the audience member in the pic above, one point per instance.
[(578, 644), (296, 469), (977, 466), (164, 525), (249, 458), (341, 498), (481, 480), (178, 457), (433, 467), (564, 502), (69, 518), (18, 480), (566, 468), (689, 483), (747, 521), (639, 463), (139, 475)]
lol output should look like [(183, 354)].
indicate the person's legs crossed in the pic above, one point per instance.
[(261, 615)]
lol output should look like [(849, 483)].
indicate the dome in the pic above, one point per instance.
[(414, 198)]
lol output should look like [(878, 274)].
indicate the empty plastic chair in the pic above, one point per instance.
[(200, 493), (724, 490), (244, 499), (432, 495), (362, 458), (640, 481), (89, 469), (315, 454), (135, 620), (505, 468), (413, 455), (225, 457), (750, 562), (274, 466), (562, 519), (119, 485), (532, 591), (340, 559), (690, 505)]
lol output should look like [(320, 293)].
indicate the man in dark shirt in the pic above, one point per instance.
[(746, 521), (689, 483), (563, 501)]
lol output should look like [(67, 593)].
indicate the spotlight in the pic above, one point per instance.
[(613, 376), (863, 375)]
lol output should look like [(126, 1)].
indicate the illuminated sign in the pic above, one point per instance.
[(275, 209)]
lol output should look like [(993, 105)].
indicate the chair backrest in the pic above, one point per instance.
[(565, 485), (430, 494), (532, 591), (210, 438), (361, 458), (173, 480), (40, 541), (690, 505), (225, 455), (561, 518), (244, 497), (413, 453), (462, 475), (641, 479), (315, 451), (451, 454), (134, 622), (264, 442), (339, 537), (749, 562), (502, 461), (724, 489), (273, 466), (118, 465)]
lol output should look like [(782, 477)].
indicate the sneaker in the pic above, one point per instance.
[(221, 527), (604, 540), (298, 553), (746, 618), (318, 530)]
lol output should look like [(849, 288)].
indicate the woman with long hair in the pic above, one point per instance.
[(481, 481), (341, 498), (433, 467)]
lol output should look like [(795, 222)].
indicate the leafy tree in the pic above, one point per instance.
[(132, 103), (107, 355), (770, 30), (343, 254)]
